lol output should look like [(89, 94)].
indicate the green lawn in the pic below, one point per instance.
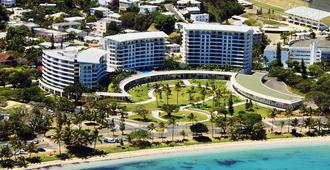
[(264, 112), (208, 105), (149, 118), (182, 116)]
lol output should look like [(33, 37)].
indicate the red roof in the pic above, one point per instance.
[(6, 57)]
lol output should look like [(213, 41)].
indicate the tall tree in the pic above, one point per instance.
[(279, 55), (177, 89), (303, 69), (172, 121), (230, 105)]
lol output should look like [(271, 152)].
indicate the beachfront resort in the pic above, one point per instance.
[(189, 84)]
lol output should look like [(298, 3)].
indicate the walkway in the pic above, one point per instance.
[(151, 96)]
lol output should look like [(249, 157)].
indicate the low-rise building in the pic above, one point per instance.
[(65, 25), (104, 10), (8, 2), (79, 33), (142, 50), (127, 4), (172, 48), (62, 68), (200, 17), (74, 19), (102, 24), (307, 17), (181, 4), (147, 8), (58, 35)]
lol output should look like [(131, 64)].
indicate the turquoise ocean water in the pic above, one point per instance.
[(284, 158)]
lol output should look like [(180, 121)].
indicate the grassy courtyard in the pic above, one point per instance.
[(183, 116)]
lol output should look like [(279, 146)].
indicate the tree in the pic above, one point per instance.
[(279, 55), (169, 109), (139, 134), (198, 129), (230, 105), (151, 127), (164, 23), (72, 35), (158, 91), (203, 93), (98, 14), (183, 134), (112, 126), (288, 113), (172, 121), (212, 120), (177, 89), (74, 91), (295, 123), (282, 124), (315, 70), (112, 28), (161, 126), (33, 55), (141, 111), (167, 92), (58, 138), (303, 69), (192, 117), (19, 79), (52, 41), (122, 125)]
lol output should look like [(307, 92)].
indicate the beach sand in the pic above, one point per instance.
[(152, 153)]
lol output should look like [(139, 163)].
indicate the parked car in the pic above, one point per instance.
[(111, 140), (41, 149), (21, 152)]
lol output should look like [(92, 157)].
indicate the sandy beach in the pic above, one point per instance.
[(152, 153)]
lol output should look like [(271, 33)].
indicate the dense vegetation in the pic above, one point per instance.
[(221, 10)]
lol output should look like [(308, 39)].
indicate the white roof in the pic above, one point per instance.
[(186, 1), (311, 13), (100, 9), (216, 27), (137, 36), (76, 18), (91, 55), (195, 8)]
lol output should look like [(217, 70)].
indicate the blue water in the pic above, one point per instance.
[(287, 158)]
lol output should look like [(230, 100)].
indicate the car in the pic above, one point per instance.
[(33, 141), (21, 152), (111, 140), (41, 149)]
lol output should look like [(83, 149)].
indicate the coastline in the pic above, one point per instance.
[(122, 157)]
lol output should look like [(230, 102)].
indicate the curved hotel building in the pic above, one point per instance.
[(142, 50), (217, 44), (72, 65)]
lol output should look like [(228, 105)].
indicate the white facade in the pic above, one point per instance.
[(65, 67), (8, 2), (65, 25), (127, 4), (307, 17), (101, 25), (140, 50), (270, 54), (217, 44), (200, 17), (310, 55), (172, 48), (149, 8), (74, 19), (106, 11), (58, 35)]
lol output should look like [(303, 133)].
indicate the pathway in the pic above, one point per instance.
[(151, 96)]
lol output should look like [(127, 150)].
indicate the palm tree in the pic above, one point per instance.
[(172, 122), (183, 134), (203, 93), (189, 91), (273, 115), (177, 89), (295, 123), (282, 124), (288, 113), (192, 117), (112, 126), (58, 138), (212, 120), (168, 92), (151, 127), (158, 91), (162, 128), (31, 147), (95, 137)]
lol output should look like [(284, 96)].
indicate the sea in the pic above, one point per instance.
[(291, 157)]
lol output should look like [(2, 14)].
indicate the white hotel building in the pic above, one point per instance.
[(142, 50), (62, 68), (217, 44)]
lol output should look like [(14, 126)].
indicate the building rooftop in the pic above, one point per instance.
[(187, 1), (66, 23), (137, 36), (322, 44), (72, 19), (91, 55), (101, 9), (311, 13), (254, 84), (216, 27)]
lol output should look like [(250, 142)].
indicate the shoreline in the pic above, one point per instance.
[(122, 157)]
